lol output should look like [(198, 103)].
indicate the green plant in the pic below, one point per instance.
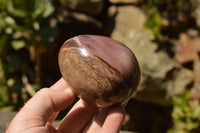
[(186, 114), (25, 27), (154, 21), (157, 8)]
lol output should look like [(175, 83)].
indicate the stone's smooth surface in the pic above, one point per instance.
[(100, 70)]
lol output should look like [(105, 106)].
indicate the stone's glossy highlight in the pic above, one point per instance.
[(100, 70)]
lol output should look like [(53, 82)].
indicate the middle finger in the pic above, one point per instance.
[(79, 116)]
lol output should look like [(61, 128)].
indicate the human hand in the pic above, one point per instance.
[(41, 110)]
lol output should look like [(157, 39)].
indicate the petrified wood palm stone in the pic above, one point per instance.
[(100, 70)]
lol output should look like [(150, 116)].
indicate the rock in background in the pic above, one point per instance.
[(161, 75)]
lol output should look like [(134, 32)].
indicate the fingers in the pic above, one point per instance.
[(47, 101), (96, 125), (79, 116), (114, 121), (60, 85), (37, 111), (53, 116), (42, 109), (108, 120)]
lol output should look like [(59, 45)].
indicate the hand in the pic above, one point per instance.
[(41, 110)]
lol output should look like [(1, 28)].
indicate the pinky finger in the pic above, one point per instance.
[(114, 121)]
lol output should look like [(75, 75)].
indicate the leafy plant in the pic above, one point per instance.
[(154, 22), (25, 26), (186, 114), (155, 10)]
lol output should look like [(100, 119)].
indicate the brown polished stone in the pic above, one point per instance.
[(100, 70)]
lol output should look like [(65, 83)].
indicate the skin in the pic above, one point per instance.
[(41, 110)]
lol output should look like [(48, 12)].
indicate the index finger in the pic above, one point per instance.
[(60, 85), (41, 106)]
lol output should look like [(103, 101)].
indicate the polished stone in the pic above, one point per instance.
[(100, 70)]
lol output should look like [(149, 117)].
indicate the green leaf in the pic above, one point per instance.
[(9, 30), (15, 85), (10, 82), (17, 35), (3, 4), (18, 44), (44, 9), (15, 8), (49, 9), (154, 22), (36, 25), (30, 9), (196, 113), (9, 20)]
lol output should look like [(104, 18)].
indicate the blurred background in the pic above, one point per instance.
[(163, 34)]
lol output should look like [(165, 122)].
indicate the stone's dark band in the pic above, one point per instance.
[(106, 76), (99, 70)]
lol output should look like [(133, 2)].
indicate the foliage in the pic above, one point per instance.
[(164, 14), (154, 21), (155, 9), (186, 114), (24, 27)]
